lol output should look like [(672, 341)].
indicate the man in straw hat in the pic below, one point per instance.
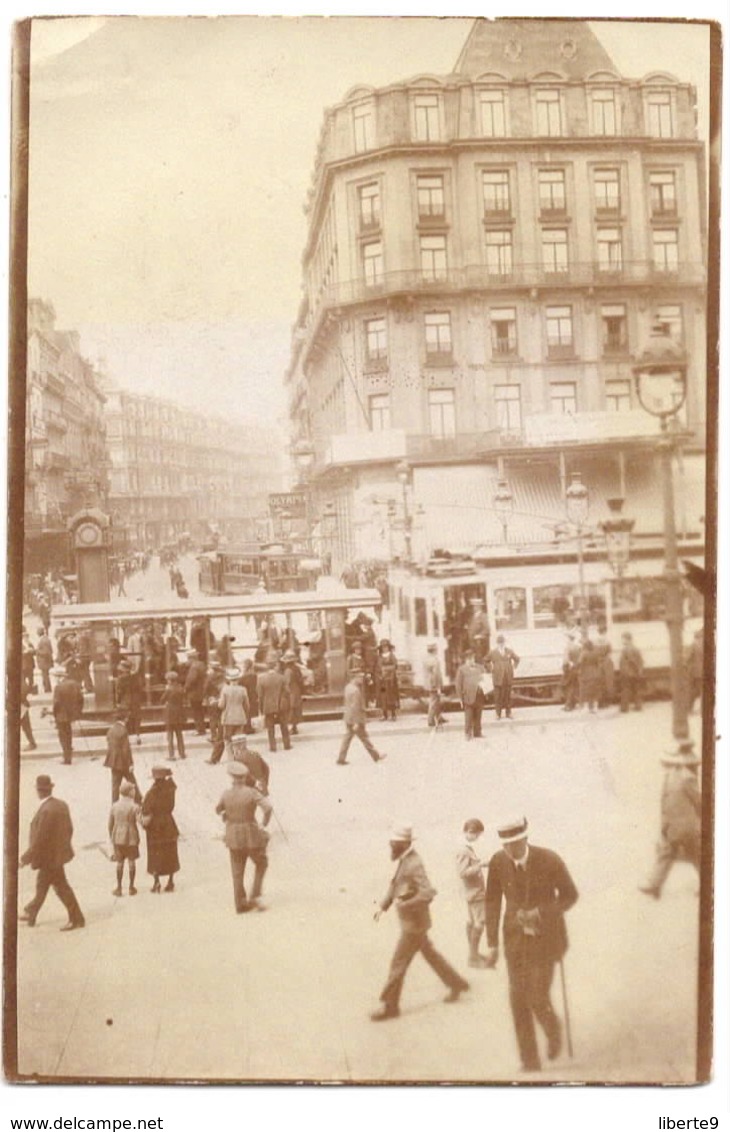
[(537, 889), (49, 850), (245, 838), (679, 838), (411, 892)]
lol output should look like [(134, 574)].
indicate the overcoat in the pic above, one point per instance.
[(51, 830), (411, 892), (545, 884)]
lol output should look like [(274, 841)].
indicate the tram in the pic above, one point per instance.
[(534, 600), (273, 568), (154, 639)]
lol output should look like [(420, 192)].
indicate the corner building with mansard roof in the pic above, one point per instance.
[(486, 254)]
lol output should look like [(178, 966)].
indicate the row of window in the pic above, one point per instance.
[(552, 195), (548, 115), (559, 331), (562, 396)]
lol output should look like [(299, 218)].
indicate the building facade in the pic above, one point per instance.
[(65, 460), (177, 473), (486, 255)]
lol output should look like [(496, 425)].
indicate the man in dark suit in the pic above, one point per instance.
[(119, 756), (48, 851), (68, 706), (271, 693), (195, 681), (411, 892), (469, 691), (537, 891), (501, 662)]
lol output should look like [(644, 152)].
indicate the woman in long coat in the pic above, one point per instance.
[(387, 680), (161, 828)]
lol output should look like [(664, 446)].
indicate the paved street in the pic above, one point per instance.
[(178, 986)]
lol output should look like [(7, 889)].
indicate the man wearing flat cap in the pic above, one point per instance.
[(48, 852), (679, 837), (245, 838), (537, 890), (411, 892)]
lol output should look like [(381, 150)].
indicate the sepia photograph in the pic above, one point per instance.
[(362, 551)]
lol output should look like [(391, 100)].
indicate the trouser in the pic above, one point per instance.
[(434, 708), (473, 721), (118, 776), (214, 721), (529, 995), (85, 675), (196, 708), (65, 736), (631, 692), (175, 735), (358, 729), (239, 857), (271, 719), (409, 944), (54, 878), (570, 689), (667, 852), (503, 699), (27, 728), (45, 673)]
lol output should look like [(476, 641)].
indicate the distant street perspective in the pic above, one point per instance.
[(357, 683)]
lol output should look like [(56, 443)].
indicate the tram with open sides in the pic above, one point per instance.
[(274, 568), (534, 600), (148, 637)]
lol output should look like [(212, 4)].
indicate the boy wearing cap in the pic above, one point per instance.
[(679, 838), (48, 851), (124, 835), (470, 868), (537, 890), (411, 892), (244, 837)]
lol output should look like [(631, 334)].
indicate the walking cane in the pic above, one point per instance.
[(281, 827), (566, 1012)]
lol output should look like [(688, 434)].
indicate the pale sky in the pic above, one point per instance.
[(170, 159)]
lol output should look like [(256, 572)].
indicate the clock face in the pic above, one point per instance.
[(87, 534)]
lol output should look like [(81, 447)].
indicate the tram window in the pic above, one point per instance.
[(510, 608), (638, 599), (421, 620), (595, 601), (552, 605)]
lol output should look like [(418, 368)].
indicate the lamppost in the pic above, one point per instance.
[(660, 377), (403, 475), (576, 506), (617, 532), (503, 503), (304, 455)]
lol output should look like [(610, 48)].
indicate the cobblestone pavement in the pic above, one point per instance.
[(178, 987)]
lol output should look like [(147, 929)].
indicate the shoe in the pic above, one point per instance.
[(32, 747), (211, 762), (649, 891), (509, 715), (66, 762), (26, 919), (479, 961), (453, 995), (381, 757), (531, 1066), (342, 762), (132, 890), (169, 887), (499, 715), (156, 887), (117, 892), (257, 906), (555, 1042), (384, 1014), (139, 741), (72, 925), (171, 758)]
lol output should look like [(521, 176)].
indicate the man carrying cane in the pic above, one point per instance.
[(537, 890)]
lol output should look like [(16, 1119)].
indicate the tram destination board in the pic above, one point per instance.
[(292, 503)]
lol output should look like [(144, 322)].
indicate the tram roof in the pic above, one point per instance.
[(216, 606)]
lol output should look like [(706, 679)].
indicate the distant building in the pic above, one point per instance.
[(175, 472), (65, 459), (485, 256)]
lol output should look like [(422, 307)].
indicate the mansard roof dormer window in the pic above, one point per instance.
[(660, 105), (362, 103), (604, 105), (427, 109), (548, 105), (491, 95)]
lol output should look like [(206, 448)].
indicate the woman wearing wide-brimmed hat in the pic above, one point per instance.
[(173, 699), (161, 828)]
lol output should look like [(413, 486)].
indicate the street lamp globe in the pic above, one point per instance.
[(660, 374), (576, 500), (503, 502)]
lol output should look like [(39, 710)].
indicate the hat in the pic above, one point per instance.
[(237, 770), (126, 788), (401, 833), (473, 825), (288, 657), (44, 782), (233, 673), (385, 644), (215, 665), (171, 676), (161, 771), (240, 738), (684, 756), (513, 830)]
